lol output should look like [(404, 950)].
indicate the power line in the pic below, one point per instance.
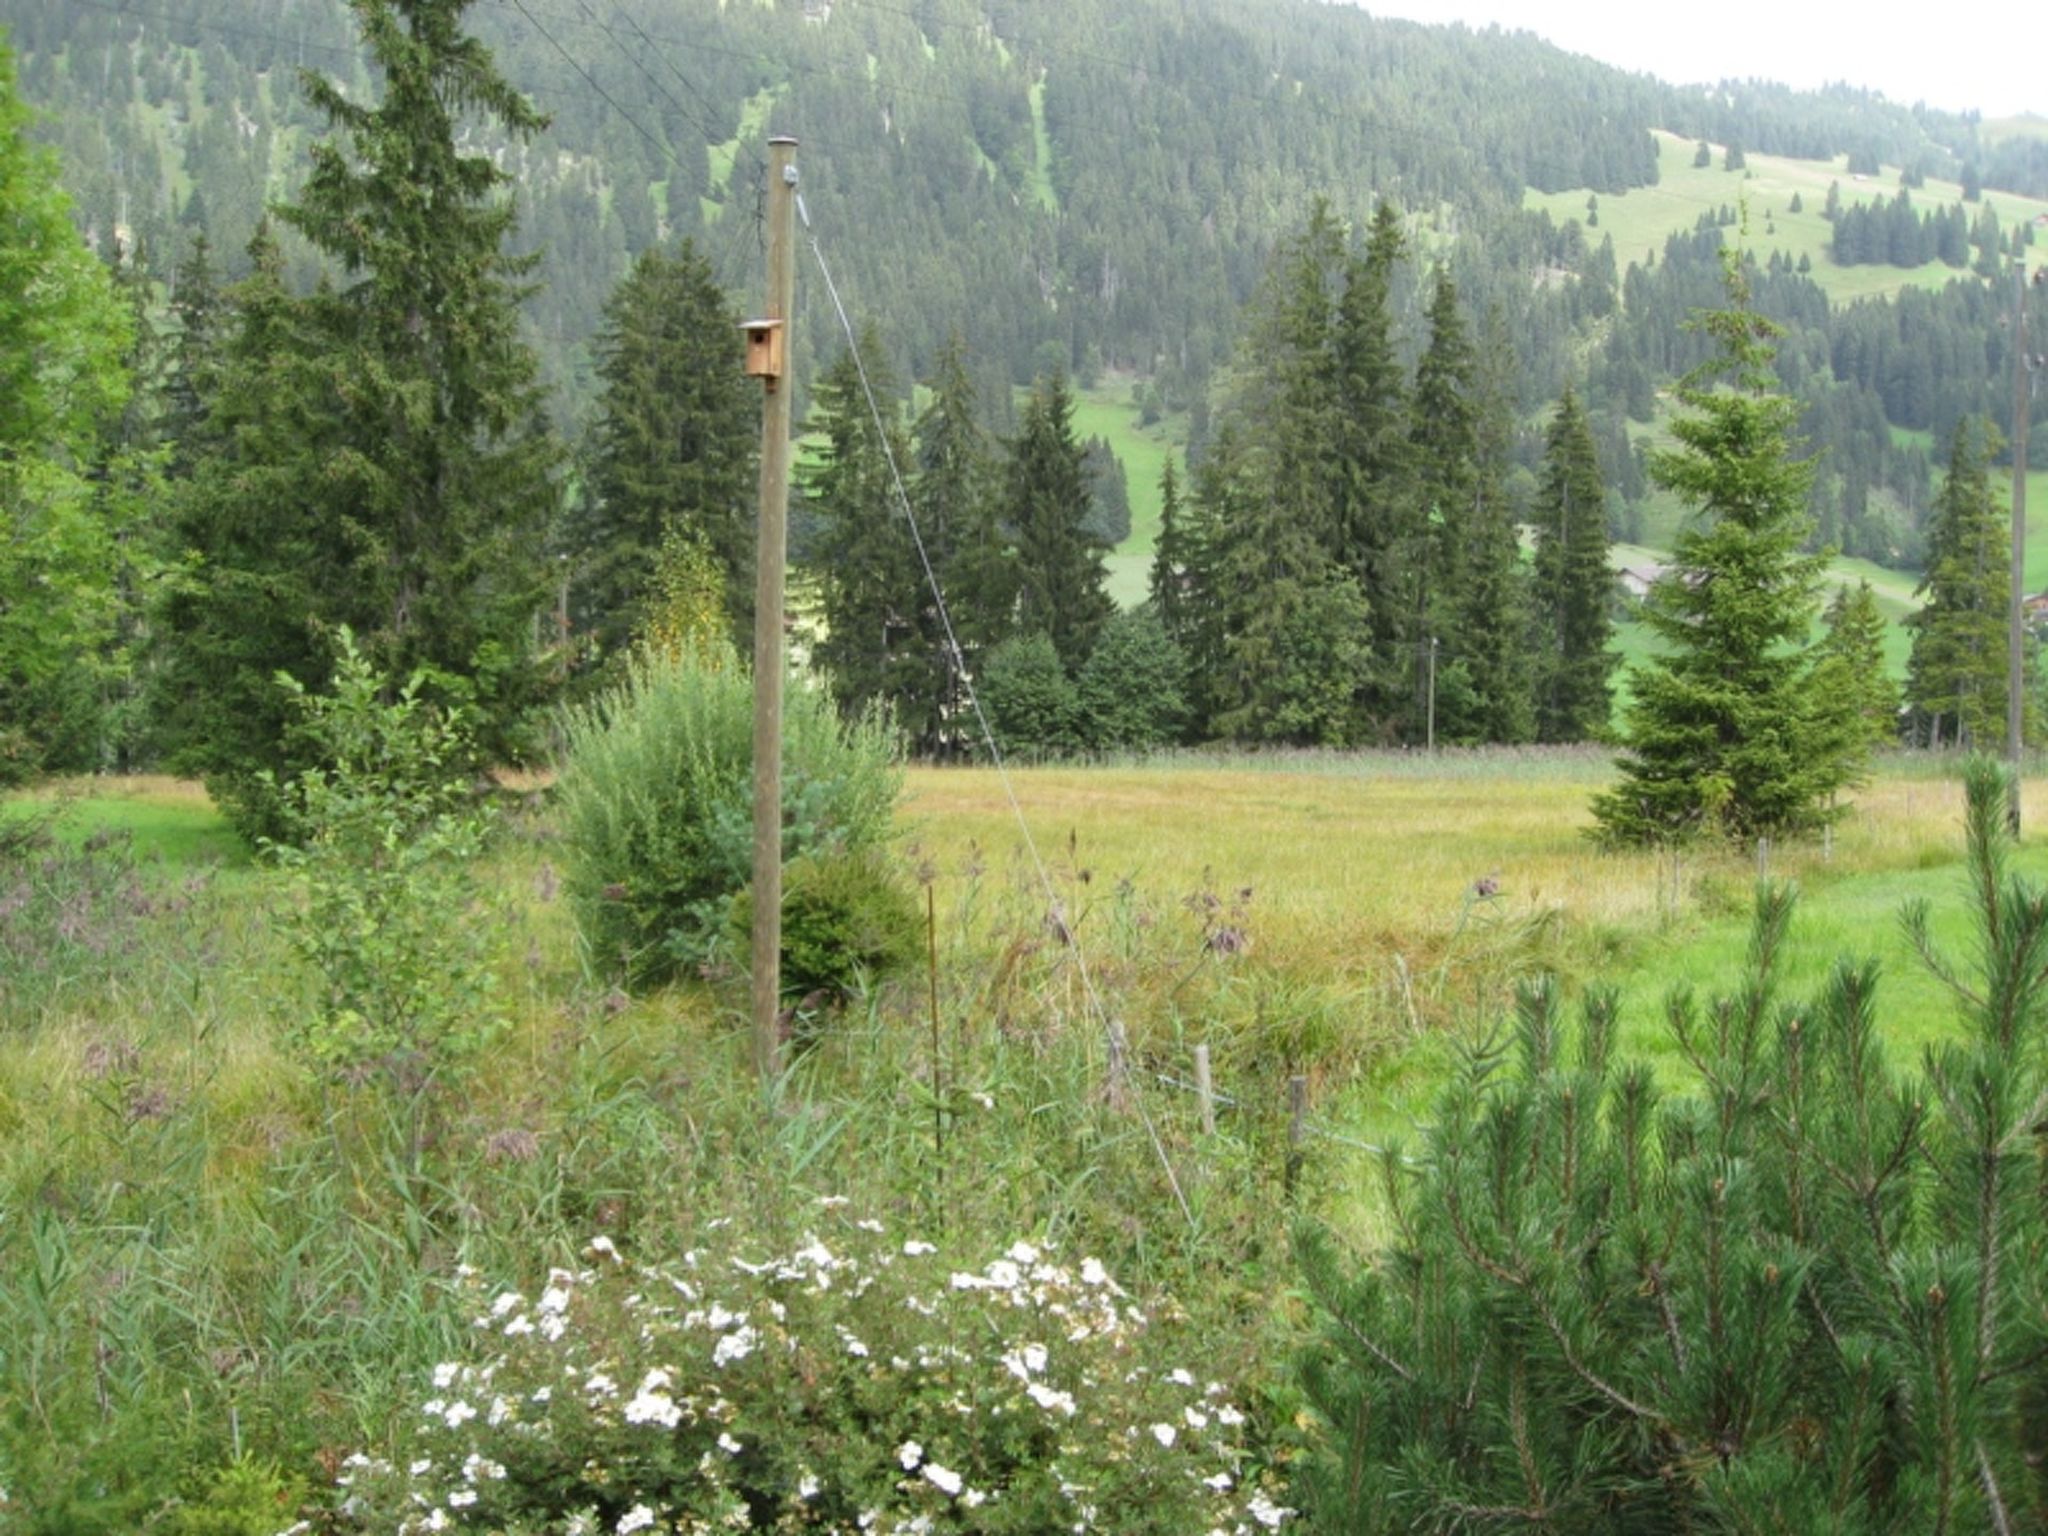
[(1118, 1045)]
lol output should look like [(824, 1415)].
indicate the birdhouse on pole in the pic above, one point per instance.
[(764, 349)]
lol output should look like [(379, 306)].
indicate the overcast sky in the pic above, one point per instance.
[(2001, 69)]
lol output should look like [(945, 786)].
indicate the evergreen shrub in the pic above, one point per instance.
[(1806, 1290), (656, 796)]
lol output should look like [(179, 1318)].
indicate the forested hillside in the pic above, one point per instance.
[(1402, 305)]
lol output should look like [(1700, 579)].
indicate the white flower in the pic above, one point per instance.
[(1266, 1512), (421, 1467), (1220, 1482), (506, 1301), (501, 1410), (1004, 1275), (518, 1325), (458, 1414), (1180, 1378), (869, 1224), (947, 1482), (600, 1385), (605, 1245), (1023, 1253), (909, 1454), (554, 1299), (541, 1394), (1164, 1434), (833, 1202), (853, 1344), (727, 1444), (1092, 1273), (986, 1101), (444, 1374), (917, 1248), (1049, 1400), (653, 1408), (1195, 1417), (553, 1326), (1229, 1415), (734, 1346), (462, 1498), (808, 1486), (437, 1519), (638, 1518), (817, 1255)]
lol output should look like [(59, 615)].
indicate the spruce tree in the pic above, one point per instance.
[(1573, 584), (1171, 567), (1444, 439), (1493, 598), (1725, 732), (875, 649), (1045, 503), (674, 446), (1850, 673), (1956, 674), (955, 487), (394, 472), (1377, 523)]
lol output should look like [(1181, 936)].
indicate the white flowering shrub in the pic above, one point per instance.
[(859, 1383)]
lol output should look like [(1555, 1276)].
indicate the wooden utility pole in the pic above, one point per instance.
[(2015, 659), (1432, 696), (768, 353)]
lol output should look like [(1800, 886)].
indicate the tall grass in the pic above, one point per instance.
[(200, 1267)]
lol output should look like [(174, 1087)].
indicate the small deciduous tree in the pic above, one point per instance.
[(63, 333)]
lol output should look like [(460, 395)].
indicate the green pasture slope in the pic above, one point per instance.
[(1642, 219)]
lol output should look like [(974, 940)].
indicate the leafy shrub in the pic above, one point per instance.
[(1031, 702), (385, 915), (243, 1498), (847, 919), (657, 803), (1805, 1296), (1132, 691), (857, 1384)]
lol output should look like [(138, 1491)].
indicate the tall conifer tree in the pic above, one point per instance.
[(1046, 502), (675, 445), (1726, 732), (1376, 518), (407, 434), (875, 647), (1443, 435), (1573, 584), (1956, 675)]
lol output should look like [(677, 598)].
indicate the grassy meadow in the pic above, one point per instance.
[(1640, 220)]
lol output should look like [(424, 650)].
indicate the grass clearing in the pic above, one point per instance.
[(1641, 219), (215, 1258)]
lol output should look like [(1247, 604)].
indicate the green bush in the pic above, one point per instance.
[(848, 1382), (1132, 690), (1032, 705), (847, 920), (656, 798), (1808, 1294)]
